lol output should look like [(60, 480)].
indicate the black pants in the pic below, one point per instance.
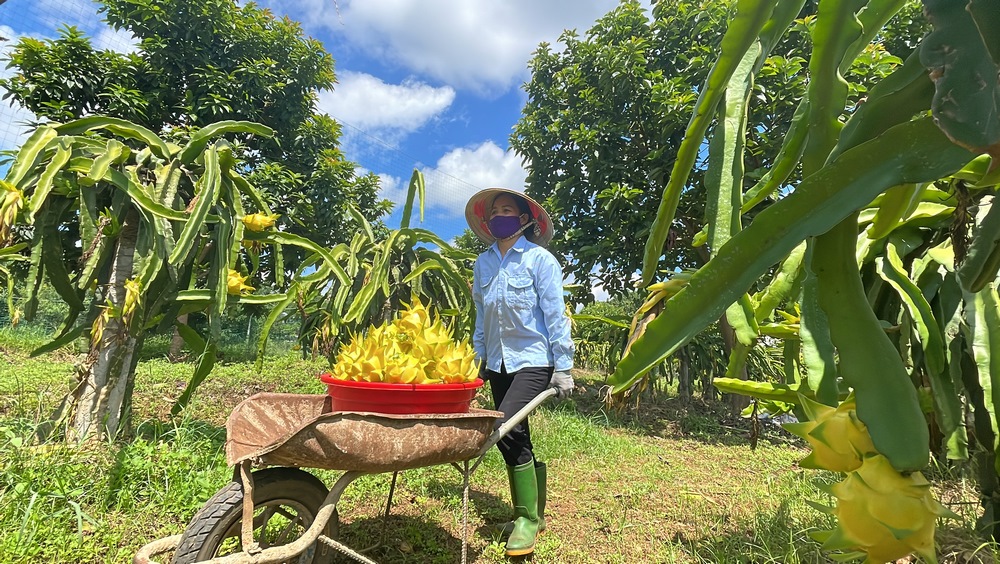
[(511, 392)]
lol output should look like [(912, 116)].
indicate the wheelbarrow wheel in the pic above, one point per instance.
[(286, 501)]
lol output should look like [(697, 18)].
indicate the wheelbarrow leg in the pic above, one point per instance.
[(246, 527)]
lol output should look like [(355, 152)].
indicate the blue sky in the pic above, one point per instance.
[(431, 84)]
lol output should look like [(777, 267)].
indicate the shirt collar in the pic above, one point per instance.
[(522, 244)]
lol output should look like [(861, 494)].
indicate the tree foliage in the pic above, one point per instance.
[(201, 62), (606, 114), (876, 263), (132, 232)]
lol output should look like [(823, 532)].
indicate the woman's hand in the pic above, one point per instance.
[(563, 383)]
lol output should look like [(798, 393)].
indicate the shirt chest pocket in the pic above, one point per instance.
[(521, 292)]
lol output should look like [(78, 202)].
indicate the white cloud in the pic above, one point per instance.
[(392, 189), (462, 172), (482, 46), (384, 110)]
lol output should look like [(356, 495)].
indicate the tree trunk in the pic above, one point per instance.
[(100, 405), (684, 376)]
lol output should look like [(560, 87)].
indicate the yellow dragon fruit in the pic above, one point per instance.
[(412, 349), (456, 366), (348, 366), (11, 202), (882, 514), (236, 283), (413, 320), (259, 221), (839, 440)]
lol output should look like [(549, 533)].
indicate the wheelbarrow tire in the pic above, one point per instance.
[(219, 519)]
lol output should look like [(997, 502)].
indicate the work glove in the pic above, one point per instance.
[(562, 382)]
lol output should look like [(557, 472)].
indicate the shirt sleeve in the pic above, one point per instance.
[(478, 335), (548, 284)]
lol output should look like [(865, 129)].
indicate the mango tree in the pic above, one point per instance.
[(158, 228), (926, 134)]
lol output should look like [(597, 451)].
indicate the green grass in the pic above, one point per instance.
[(671, 483)]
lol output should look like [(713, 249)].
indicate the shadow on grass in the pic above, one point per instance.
[(660, 415), (774, 537), (404, 539)]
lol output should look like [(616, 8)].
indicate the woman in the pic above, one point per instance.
[(522, 337)]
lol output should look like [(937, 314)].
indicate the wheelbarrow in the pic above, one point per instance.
[(281, 513)]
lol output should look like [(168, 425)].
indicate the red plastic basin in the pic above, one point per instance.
[(381, 397)]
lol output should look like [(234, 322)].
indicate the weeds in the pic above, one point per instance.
[(673, 483)]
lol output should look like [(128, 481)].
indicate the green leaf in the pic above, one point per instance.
[(132, 187), (118, 127), (894, 100), (416, 188), (52, 256), (45, 181), (272, 317), (788, 157), (608, 320), (837, 27), (249, 190), (868, 360), (966, 77), (949, 308), (890, 268), (113, 152), (200, 139), (982, 317), (207, 196), (781, 285), (946, 400), (283, 238), (818, 355), (896, 204), (986, 14), (60, 341), (13, 252), (420, 269), (30, 154), (751, 15), (360, 219), (761, 390), (206, 352), (218, 273), (912, 152), (982, 262), (10, 293)]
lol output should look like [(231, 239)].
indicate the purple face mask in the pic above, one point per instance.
[(503, 226)]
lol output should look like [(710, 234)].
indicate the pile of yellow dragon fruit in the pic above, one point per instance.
[(413, 349), (882, 514)]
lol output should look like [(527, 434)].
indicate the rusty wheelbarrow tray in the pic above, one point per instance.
[(301, 431)]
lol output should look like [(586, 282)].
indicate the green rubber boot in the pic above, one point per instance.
[(540, 477), (524, 485)]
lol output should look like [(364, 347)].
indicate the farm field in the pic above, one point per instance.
[(668, 483)]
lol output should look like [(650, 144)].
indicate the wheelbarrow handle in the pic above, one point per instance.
[(514, 421)]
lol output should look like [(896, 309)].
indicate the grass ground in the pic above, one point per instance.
[(670, 483)]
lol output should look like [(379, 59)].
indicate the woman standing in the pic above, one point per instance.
[(522, 337)]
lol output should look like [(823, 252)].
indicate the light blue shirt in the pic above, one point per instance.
[(520, 313)]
